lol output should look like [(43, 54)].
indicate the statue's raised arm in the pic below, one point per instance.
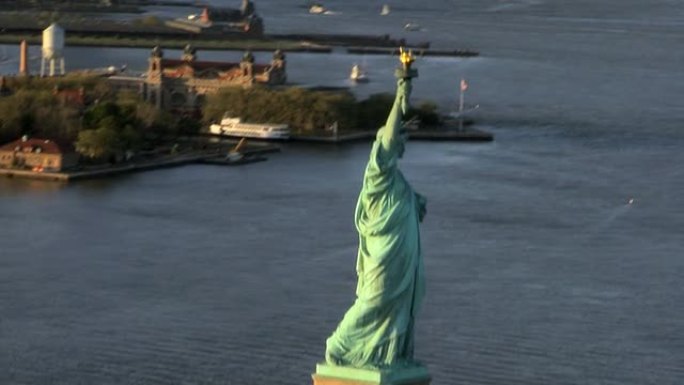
[(391, 138), (393, 134)]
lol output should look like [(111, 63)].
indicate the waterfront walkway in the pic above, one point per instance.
[(156, 163)]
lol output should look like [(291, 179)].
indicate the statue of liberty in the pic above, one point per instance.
[(377, 331)]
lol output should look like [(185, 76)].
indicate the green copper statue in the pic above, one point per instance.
[(377, 331)]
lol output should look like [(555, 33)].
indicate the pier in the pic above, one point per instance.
[(252, 152)]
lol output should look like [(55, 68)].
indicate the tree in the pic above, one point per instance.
[(373, 111), (307, 110), (187, 126), (98, 144), (109, 111), (36, 112), (426, 112), (131, 138)]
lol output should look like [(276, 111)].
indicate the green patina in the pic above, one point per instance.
[(377, 332)]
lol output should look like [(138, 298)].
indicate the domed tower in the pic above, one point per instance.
[(278, 67), (189, 53), (278, 59), (154, 69), (189, 56), (248, 56), (155, 72), (247, 67)]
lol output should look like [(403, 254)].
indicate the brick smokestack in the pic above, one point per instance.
[(205, 16), (23, 58)]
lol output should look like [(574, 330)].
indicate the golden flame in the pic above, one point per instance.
[(406, 57)]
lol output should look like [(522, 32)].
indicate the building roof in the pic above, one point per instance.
[(44, 146), (205, 65), (71, 96)]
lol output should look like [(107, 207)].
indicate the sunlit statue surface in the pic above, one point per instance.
[(377, 331)]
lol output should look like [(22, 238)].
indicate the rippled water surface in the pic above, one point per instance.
[(539, 269)]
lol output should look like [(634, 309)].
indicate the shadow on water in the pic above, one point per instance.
[(21, 186), (18, 186)]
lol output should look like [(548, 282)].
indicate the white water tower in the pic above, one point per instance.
[(53, 49)]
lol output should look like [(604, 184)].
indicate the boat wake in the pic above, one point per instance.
[(514, 5), (612, 217)]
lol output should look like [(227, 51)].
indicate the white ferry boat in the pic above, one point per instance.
[(230, 126)]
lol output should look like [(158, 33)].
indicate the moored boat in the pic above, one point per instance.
[(317, 9), (235, 127), (358, 74)]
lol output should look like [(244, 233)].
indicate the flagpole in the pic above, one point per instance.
[(460, 106)]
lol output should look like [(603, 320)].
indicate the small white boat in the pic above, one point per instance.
[(385, 10), (317, 9), (358, 74), (234, 127)]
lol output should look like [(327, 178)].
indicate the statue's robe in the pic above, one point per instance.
[(377, 331)]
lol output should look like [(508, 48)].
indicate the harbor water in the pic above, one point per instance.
[(553, 255)]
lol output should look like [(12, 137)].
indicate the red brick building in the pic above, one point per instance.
[(37, 154), (182, 83)]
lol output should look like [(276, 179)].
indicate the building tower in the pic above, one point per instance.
[(155, 77), (204, 17), (189, 53), (23, 58), (278, 58), (189, 56), (53, 49), (247, 68), (276, 71)]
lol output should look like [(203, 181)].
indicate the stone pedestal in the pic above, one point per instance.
[(342, 375)]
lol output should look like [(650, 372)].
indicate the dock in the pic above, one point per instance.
[(223, 161), (252, 153)]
